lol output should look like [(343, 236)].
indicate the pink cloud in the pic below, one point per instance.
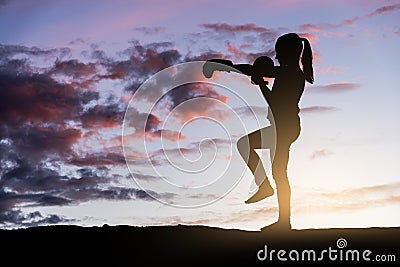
[(384, 9), (312, 38), (203, 106), (334, 88), (333, 70), (237, 53), (169, 135), (317, 109), (324, 28), (321, 153)]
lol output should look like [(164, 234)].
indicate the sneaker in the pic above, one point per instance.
[(263, 191)]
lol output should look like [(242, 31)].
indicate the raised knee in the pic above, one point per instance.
[(243, 145)]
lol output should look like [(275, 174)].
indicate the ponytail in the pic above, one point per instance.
[(306, 61)]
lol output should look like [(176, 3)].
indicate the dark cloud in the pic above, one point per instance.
[(86, 96), (99, 159), (26, 178), (99, 55), (151, 61), (150, 30), (7, 51), (37, 141), (87, 171), (14, 66), (103, 116), (43, 186), (10, 216), (36, 186), (36, 117), (204, 56), (148, 126), (133, 86), (35, 199), (74, 68), (144, 60), (185, 92), (251, 57), (139, 63), (251, 40), (38, 98), (252, 33), (123, 68), (144, 124), (16, 218), (224, 27), (158, 46), (35, 110), (152, 123), (78, 40), (141, 176), (112, 193)]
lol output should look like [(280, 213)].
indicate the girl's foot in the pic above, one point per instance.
[(279, 226), (264, 191)]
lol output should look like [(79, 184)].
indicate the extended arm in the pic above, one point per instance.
[(245, 69), (255, 73), (260, 68)]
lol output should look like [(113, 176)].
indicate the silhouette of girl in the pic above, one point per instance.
[(283, 101)]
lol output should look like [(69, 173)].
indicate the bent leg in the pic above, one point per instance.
[(260, 139)]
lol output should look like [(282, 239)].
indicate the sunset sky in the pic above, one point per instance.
[(69, 69)]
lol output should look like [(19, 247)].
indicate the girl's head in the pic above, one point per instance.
[(289, 48)]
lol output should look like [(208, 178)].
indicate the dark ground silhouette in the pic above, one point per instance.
[(182, 245)]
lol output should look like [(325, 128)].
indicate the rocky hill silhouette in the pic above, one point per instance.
[(194, 246)]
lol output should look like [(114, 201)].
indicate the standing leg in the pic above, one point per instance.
[(279, 172), (263, 138)]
